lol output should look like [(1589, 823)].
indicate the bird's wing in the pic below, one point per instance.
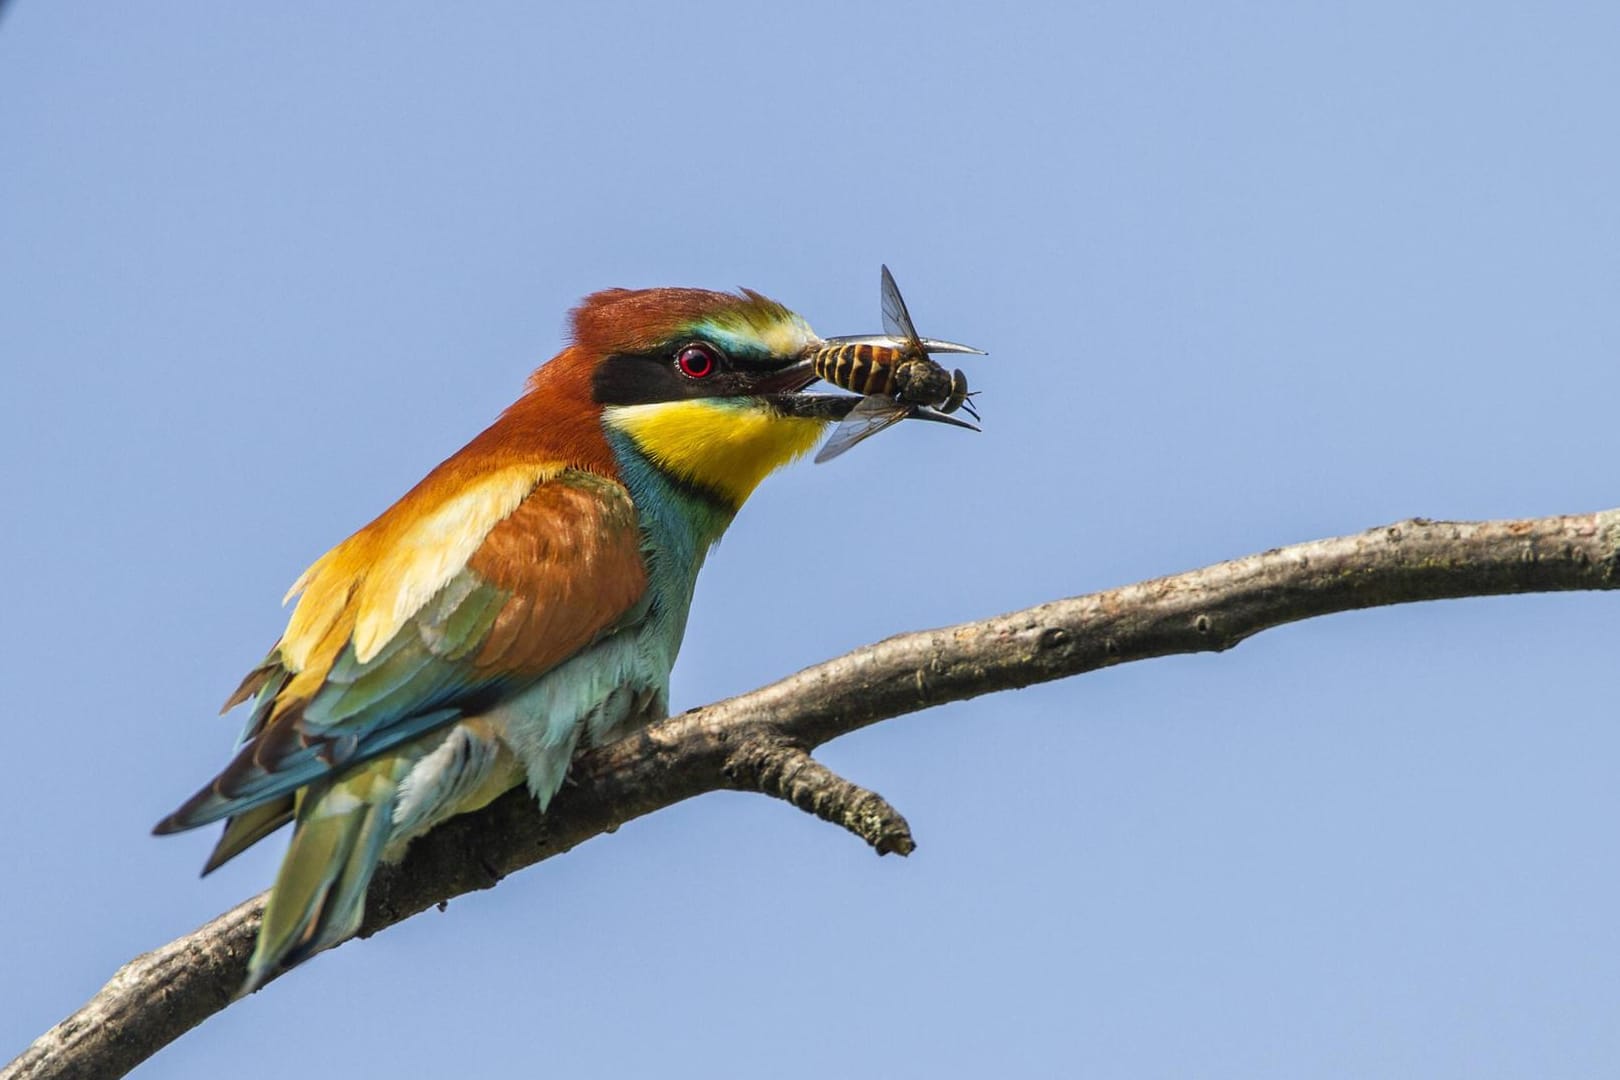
[(424, 617)]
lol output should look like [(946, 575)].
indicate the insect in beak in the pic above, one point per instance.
[(896, 374)]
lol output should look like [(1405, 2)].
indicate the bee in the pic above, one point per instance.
[(896, 375), (869, 368)]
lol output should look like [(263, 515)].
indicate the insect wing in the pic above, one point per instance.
[(932, 346), (896, 319), (868, 418)]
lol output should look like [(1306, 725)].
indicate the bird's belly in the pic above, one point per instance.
[(598, 695)]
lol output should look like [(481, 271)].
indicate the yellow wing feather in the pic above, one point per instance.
[(370, 585)]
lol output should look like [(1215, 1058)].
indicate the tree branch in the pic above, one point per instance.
[(761, 741), (769, 765)]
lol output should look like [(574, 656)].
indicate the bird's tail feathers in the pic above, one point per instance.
[(320, 891), (247, 828)]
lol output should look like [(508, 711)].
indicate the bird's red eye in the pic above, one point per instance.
[(696, 362)]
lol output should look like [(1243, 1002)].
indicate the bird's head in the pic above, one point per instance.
[(702, 385)]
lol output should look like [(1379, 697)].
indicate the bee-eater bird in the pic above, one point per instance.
[(530, 593)]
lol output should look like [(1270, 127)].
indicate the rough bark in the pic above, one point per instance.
[(761, 741)]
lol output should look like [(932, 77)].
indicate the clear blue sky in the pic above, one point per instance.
[(1250, 274)]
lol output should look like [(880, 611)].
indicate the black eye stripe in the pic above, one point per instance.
[(636, 380), (646, 378)]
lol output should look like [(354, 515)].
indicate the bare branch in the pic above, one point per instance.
[(789, 772), (761, 740)]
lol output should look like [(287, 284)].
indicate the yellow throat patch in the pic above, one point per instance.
[(727, 447)]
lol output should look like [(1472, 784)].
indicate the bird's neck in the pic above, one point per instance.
[(679, 523), (689, 466)]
